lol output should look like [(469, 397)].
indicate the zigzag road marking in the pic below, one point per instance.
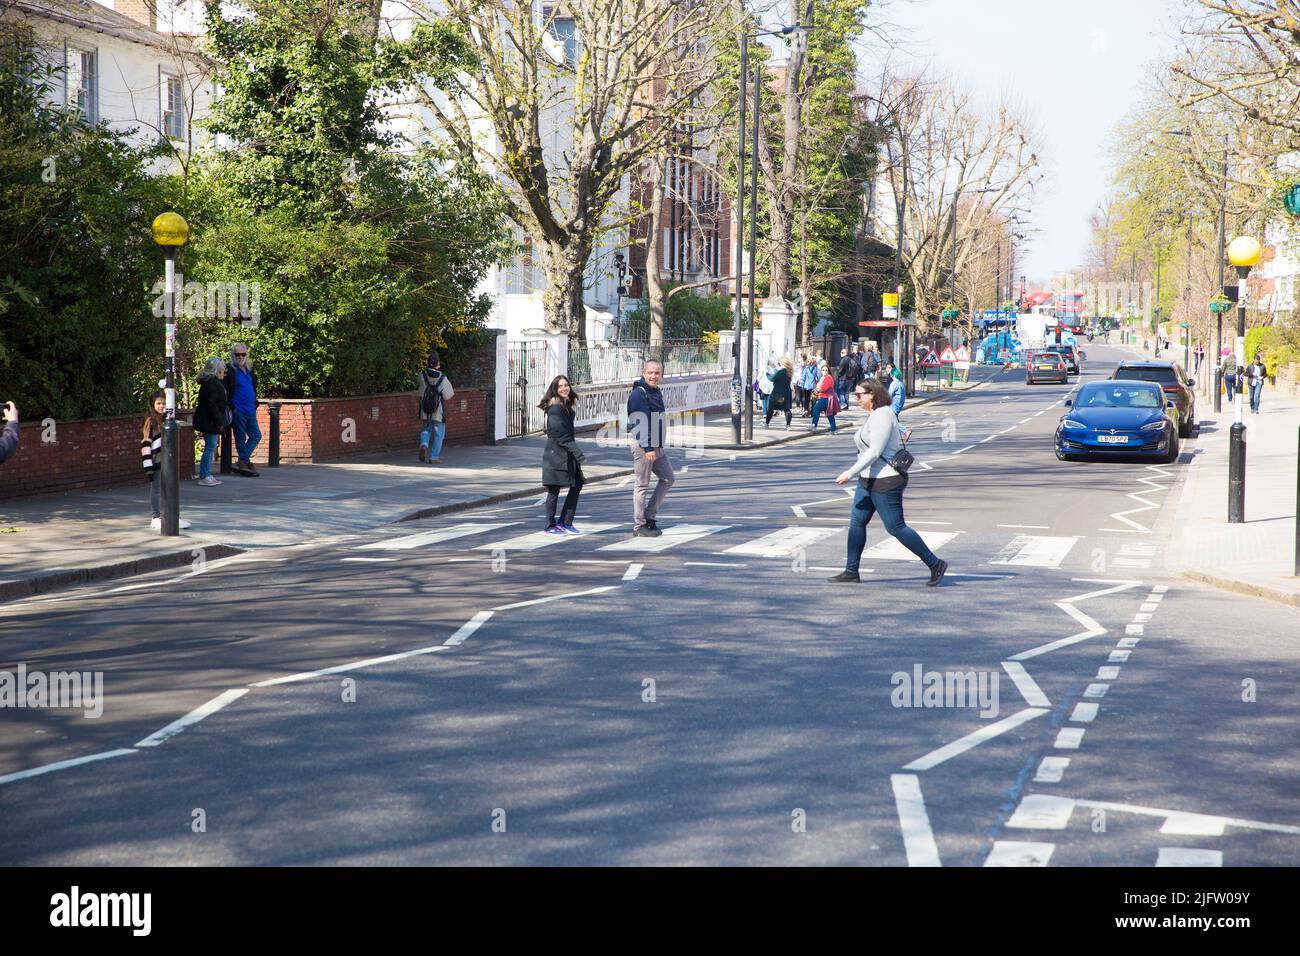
[(1146, 504)]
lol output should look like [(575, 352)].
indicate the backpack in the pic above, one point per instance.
[(431, 400)]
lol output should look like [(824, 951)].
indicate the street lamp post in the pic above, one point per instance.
[(1243, 252), (737, 385), (170, 231)]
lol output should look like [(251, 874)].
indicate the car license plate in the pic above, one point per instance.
[(1113, 439), (1046, 368)]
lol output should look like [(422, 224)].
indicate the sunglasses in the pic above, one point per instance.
[(240, 354)]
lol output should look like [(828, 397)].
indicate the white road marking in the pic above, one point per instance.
[(555, 597), (1091, 629), (974, 739), (1160, 589), (891, 549), (918, 838), (677, 534), (1155, 598), (1118, 657), (1084, 713), (799, 512), (1029, 690), (540, 539), (1147, 505), (598, 561), (1158, 812), (781, 543), (1194, 824), (1051, 769), (1023, 420), (1019, 853), (344, 668), (1107, 673), (1096, 691), (632, 571), (1035, 551), (422, 538), (1187, 856), (983, 440), (713, 564), (1141, 618), (626, 480), (65, 764), (371, 560), (960, 450), (1128, 642), (466, 629), (1149, 607), (1134, 628), (1069, 738), (1041, 811), (193, 717), (1041, 527)]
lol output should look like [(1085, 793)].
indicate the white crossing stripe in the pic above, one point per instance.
[(1051, 769), (422, 538), (1018, 853), (1187, 856), (1035, 551), (781, 543), (1041, 811), (1194, 824), (675, 535), (540, 539), (892, 550), (1069, 738)]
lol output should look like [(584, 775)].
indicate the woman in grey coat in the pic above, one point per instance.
[(562, 460), (880, 487)]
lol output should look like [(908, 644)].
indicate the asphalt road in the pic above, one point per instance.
[(584, 701)]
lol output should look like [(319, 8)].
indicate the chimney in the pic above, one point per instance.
[(143, 12)]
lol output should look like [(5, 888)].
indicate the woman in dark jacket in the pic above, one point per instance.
[(562, 460), (782, 398), (211, 415)]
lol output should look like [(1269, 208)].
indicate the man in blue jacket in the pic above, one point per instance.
[(648, 430), (241, 386), (9, 436)]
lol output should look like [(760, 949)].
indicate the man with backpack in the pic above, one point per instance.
[(435, 390), (847, 374), (870, 361)]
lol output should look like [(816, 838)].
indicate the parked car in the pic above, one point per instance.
[(1119, 417), (1045, 367), (1175, 383)]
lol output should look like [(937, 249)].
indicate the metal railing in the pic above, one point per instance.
[(612, 363)]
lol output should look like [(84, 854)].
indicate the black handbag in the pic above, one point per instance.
[(902, 460)]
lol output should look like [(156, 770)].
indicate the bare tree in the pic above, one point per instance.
[(563, 107)]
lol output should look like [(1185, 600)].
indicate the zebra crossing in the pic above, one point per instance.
[(1003, 548)]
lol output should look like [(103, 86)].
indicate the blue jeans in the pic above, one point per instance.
[(818, 408), (890, 505), (1255, 389), (209, 449), (438, 429), (247, 434), (842, 390), (1230, 386)]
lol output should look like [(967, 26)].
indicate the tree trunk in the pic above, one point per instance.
[(656, 296), (562, 301)]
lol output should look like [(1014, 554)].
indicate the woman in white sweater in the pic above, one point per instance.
[(880, 487)]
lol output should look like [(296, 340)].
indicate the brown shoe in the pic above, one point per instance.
[(424, 453)]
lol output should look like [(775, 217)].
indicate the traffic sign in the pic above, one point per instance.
[(931, 359), (963, 354), (948, 355), (889, 305)]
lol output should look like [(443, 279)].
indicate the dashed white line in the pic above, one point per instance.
[(1069, 738), (1188, 856), (1084, 713), (193, 717), (632, 571), (1019, 853), (1051, 769)]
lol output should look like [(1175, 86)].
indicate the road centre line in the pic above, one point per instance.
[(469, 627), (344, 668), (960, 450), (65, 764), (918, 838), (193, 717), (555, 597), (974, 739)]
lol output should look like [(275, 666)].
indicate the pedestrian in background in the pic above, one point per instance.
[(648, 430), (9, 437), (434, 391), (880, 486), (809, 385), (211, 415), (1230, 375), (780, 398), (241, 388), (1256, 372), (897, 391), (871, 361), (848, 374), (562, 461), (151, 454), (824, 398)]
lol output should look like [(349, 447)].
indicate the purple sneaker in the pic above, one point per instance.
[(570, 529), (555, 529)]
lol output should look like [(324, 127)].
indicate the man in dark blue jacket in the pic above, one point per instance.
[(648, 430), (9, 437)]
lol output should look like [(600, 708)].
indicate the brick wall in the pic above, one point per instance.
[(82, 454), (324, 429)]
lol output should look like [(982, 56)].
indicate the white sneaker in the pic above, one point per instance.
[(209, 481), (156, 524)]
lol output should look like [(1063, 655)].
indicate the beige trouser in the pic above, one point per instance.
[(644, 504)]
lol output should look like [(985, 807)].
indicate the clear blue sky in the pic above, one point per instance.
[(1075, 67)]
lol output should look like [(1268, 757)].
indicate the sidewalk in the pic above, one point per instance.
[(1255, 557), (54, 541)]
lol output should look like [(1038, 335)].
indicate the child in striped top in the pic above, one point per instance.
[(151, 453)]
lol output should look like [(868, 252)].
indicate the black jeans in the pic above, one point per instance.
[(774, 407), (570, 502)]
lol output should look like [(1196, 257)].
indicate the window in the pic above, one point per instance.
[(82, 78), (564, 30), (173, 108)]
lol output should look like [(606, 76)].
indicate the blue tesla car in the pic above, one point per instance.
[(1118, 417)]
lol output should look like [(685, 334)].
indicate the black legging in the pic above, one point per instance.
[(570, 502), (774, 407)]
